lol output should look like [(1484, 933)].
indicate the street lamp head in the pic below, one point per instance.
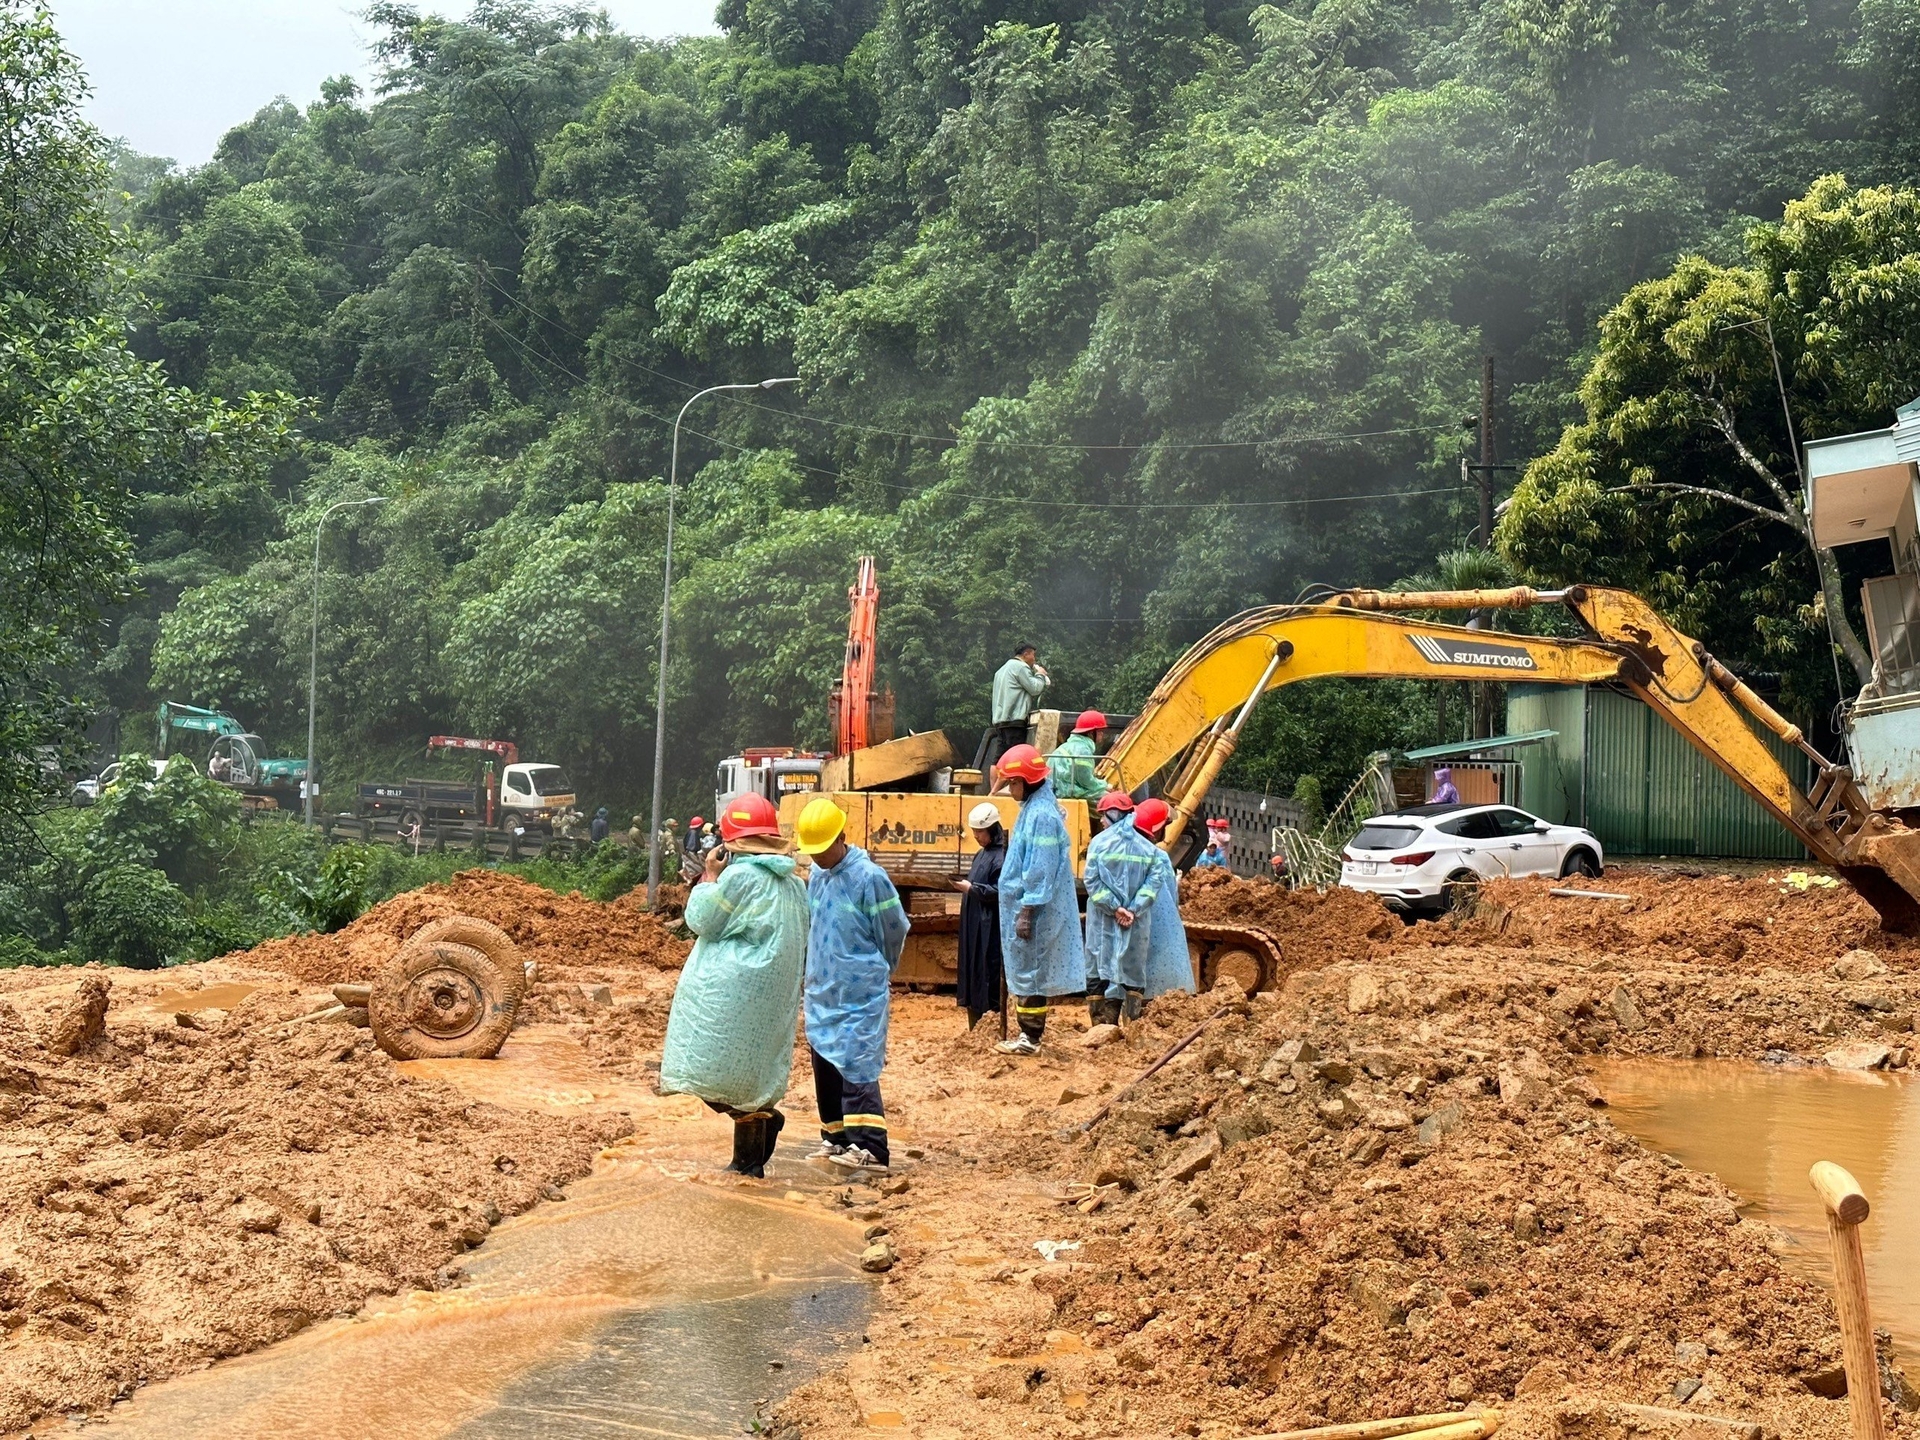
[(780, 380)]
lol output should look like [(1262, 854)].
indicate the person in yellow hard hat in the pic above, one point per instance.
[(854, 939)]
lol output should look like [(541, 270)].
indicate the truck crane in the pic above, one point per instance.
[(1192, 722)]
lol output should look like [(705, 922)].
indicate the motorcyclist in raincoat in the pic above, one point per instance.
[(857, 932), (1039, 906), (730, 1029), (1136, 945)]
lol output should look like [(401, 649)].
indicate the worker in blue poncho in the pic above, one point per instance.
[(857, 931), (1039, 904), (730, 1029), (1136, 945)]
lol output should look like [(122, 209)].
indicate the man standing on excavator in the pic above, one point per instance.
[(1071, 764), (1016, 685), (1039, 904)]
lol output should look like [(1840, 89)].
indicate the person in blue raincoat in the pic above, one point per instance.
[(1039, 902), (730, 1029), (857, 931), (1136, 945)]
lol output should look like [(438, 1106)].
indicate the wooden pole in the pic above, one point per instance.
[(1457, 1425), (1846, 1206), (1172, 1050)]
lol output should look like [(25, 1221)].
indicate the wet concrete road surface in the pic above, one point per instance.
[(652, 1301)]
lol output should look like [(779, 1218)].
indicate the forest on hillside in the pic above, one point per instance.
[(1109, 320)]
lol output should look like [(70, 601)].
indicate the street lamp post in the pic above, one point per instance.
[(313, 655), (666, 598)]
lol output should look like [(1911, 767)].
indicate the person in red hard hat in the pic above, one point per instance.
[(731, 1026), (1072, 763), (1114, 807), (1217, 853), (1039, 902)]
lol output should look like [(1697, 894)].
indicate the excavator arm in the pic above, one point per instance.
[(1199, 708)]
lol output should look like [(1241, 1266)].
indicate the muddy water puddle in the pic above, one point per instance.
[(645, 1303), (1760, 1129)]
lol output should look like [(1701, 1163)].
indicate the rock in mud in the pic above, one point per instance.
[(1859, 1055), (878, 1258), (1101, 1035), (80, 1024), (1858, 965), (1440, 1123), (1196, 1157), (1626, 1011)]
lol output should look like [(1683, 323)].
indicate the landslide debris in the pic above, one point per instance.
[(569, 936), (190, 1183)]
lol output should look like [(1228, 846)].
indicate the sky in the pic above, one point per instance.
[(171, 76)]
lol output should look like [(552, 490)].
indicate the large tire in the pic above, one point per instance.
[(1581, 862), (483, 935), (443, 1001)]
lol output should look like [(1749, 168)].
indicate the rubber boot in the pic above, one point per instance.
[(1096, 1008), (1106, 1010), (1131, 1007), (770, 1129), (748, 1157)]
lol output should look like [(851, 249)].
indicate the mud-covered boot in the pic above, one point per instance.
[(1130, 1008), (1106, 1011), (770, 1129), (748, 1157)]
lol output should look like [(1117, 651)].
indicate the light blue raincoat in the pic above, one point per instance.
[(1039, 873), (730, 1031), (858, 930), (1127, 871)]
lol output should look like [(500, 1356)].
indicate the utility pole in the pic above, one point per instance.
[(1486, 452)]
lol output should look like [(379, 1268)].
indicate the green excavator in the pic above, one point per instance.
[(235, 757)]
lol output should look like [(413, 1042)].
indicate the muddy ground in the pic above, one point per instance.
[(1385, 1187)]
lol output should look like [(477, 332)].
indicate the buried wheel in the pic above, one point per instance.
[(440, 1000), (1582, 864), (1462, 889), (483, 935)]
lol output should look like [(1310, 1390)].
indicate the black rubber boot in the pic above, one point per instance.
[(1106, 1011), (1096, 1004), (770, 1129), (748, 1157), (1136, 1001)]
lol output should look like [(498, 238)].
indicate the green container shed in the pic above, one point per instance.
[(1617, 768)]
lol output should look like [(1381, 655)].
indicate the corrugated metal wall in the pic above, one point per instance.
[(1633, 780), (1253, 817)]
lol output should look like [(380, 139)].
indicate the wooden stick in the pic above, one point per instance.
[(1846, 1206), (1566, 894), (1179, 1045), (1455, 1425)]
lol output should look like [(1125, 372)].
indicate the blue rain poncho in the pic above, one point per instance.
[(857, 932), (1070, 769), (1039, 873), (730, 1031), (1127, 871)]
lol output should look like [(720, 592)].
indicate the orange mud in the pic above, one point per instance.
[(1390, 1187)]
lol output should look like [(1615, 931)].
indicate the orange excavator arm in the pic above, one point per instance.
[(855, 691), (1200, 706)]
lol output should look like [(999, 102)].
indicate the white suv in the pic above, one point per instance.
[(1431, 857)]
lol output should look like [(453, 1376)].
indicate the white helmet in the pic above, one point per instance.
[(983, 816)]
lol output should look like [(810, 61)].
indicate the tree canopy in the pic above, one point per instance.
[(1111, 321)]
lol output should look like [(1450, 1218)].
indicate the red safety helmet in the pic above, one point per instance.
[(695, 823), (748, 815), (1114, 800), (1089, 721), (1023, 762), (1152, 816)]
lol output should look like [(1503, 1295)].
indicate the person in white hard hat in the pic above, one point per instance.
[(981, 962)]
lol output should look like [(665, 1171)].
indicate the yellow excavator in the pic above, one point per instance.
[(1188, 729), (1192, 721)]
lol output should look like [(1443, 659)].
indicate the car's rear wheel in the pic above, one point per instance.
[(1583, 863), (1461, 890)]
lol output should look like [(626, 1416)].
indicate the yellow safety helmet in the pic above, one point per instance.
[(820, 825)]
